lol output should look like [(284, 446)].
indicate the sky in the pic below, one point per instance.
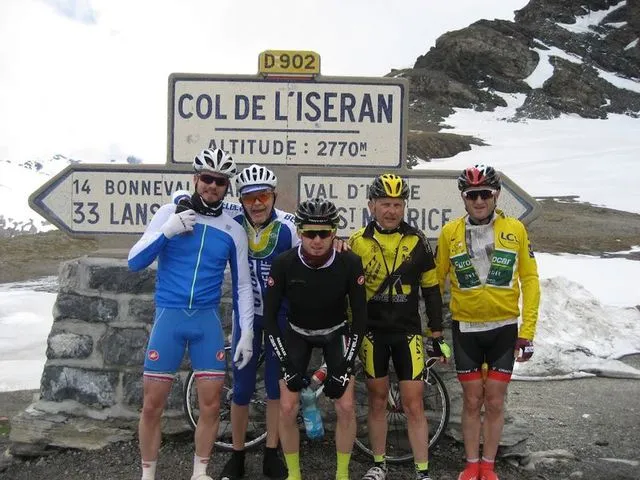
[(88, 79), (94, 87)]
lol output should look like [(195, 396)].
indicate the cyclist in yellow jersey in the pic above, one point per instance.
[(487, 258), (398, 265)]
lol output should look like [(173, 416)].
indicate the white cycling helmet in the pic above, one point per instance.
[(255, 177), (215, 160)]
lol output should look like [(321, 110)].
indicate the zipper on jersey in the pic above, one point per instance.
[(195, 270)]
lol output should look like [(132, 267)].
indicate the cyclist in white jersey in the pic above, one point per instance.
[(193, 243)]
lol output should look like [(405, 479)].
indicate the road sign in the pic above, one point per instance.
[(107, 199), (274, 62), (434, 199), (327, 121)]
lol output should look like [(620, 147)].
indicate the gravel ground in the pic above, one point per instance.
[(582, 429)]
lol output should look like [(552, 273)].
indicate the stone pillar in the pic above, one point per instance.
[(91, 386)]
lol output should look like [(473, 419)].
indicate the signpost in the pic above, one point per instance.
[(434, 199), (323, 136), (326, 121)]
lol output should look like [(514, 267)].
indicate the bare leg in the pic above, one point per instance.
[(378, 389), (149, 431), (411, 394)]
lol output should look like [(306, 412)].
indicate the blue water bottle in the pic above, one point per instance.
[(311, 414)]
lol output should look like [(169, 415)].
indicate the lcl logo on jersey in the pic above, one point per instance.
[(153, 355)]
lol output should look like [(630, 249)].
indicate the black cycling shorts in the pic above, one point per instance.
[(300, 347), (495, 347), (406, 351)]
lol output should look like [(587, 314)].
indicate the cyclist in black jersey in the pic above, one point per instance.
[(398, 265), (316, 281)]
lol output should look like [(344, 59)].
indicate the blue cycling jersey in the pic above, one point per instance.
[(191, 265)]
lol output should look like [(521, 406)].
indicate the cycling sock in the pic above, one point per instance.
[(342, 470), (149, 470), (487, 463), (293, 465), (200, 465), (380, 459), (422, 466)]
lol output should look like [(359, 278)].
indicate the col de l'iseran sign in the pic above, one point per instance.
[(332, 121), (323, 136)]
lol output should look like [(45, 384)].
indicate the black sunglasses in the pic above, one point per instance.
[(483, 194), (311, 234), (209, 179)]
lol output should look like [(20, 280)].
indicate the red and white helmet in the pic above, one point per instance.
[(479, 176)]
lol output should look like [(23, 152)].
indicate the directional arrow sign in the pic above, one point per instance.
[(434, 199), (107, 199)]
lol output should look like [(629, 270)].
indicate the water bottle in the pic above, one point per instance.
[(311, 414)]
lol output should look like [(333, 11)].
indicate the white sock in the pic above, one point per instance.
[(149, 470), (200, 465)]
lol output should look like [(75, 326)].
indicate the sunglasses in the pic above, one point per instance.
[(311, 234), (251, 198), (219, 181), (483, 194)]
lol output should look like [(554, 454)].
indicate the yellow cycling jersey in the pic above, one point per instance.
[(396, 265), (513, 266)]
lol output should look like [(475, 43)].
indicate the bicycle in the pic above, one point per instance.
[(435, 397)]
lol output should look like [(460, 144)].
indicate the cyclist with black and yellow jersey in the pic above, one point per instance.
[(488, 259), (398, 266)]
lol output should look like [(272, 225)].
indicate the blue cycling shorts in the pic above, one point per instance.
[(174, 331), (244, 380)]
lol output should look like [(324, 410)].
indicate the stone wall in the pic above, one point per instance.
[(91, 386)]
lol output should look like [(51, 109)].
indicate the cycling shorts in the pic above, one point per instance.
[(244, 380), (175, 330), (406, 351), (300, 347), (495, 347)]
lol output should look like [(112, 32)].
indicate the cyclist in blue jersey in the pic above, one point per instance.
[(270, 232), (193, 243)]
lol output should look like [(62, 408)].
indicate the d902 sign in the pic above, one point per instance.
[(289, 62)]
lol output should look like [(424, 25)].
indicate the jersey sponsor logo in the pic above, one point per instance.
[(153, 355), (360, 280), (503, 263), (465, 272), (508, 240), (220, 355), (270, 281)]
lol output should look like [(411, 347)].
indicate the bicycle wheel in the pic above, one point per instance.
[(436, 404), (257, 428)]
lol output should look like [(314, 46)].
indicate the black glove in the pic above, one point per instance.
[(523, 349), (336, 382), (437, 347), (295, 380), (184, 204)]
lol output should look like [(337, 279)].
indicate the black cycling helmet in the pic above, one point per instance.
[(389, 185), (316, 212), (479, 176)]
